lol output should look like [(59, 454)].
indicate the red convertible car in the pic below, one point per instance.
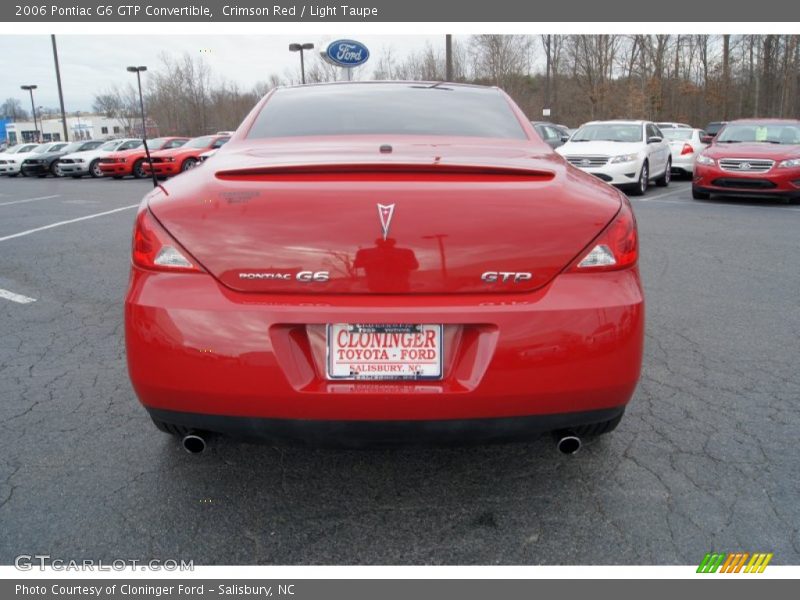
[(131, 162), (385, 263), (167, 163), (751, 157)]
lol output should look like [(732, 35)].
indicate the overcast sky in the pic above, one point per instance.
[(93, 63)]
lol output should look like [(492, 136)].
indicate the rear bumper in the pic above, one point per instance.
[(196, 347), (383, 433), (683, 163)]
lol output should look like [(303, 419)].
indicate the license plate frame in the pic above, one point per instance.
[(431, 369)]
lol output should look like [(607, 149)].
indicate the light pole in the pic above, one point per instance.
[(138, 71), (30, 89), (300, 48)]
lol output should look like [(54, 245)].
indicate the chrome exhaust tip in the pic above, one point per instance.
[(193, 443), (568, 443)]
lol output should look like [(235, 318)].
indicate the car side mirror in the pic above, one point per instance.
[(707, 139), (654, 139), (565, 138)]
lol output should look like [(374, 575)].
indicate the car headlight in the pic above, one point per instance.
[(789, 163), (80, 160), (624, 158), (702, 159)]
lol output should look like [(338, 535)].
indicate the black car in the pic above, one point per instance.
[(47, 162), (712, 129), (552, 134)]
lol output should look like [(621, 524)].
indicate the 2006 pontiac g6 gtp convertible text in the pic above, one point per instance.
[(385, 263)]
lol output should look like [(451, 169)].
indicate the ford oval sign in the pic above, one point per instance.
[(347, 53)]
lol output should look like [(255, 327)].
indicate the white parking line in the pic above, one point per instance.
[(664, 195), (60, 223), (728, 205), (29, 200), (19, 298)]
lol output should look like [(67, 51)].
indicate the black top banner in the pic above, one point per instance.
[(485, 11)]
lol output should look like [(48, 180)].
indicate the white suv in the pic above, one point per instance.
[(628, 154)]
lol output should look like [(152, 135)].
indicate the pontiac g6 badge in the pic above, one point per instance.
[(385, 213)]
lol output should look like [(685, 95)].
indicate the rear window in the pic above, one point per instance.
[(677, 134), (364, 109)]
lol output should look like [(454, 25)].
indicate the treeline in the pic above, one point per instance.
[(689, 78)]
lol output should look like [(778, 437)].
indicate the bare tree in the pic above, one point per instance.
[(12, 109)]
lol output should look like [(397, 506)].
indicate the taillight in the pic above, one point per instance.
[(154, 248), (687, 149), (617, 247)]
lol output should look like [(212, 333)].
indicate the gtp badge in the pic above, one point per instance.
[(385, 212)]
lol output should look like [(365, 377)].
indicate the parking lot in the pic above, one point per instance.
[(702, 461)]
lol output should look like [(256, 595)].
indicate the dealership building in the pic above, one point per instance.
[(79, 127)]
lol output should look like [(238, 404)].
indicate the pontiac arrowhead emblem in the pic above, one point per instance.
[(385, 212)]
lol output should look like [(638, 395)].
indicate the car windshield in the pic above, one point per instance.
[(73, 147), (391, 109), (21, 148), (109, 145), (677, 134), (201, 142), (768, 133), (608, 132), (164, 143), (43, 148), (713, 128), (130, 145)]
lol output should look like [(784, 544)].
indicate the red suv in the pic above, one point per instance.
[(177, 160), (131, 162), (751, 157)]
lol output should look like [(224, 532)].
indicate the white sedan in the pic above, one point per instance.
[(79, 164), (628, 154), (9, 160), (685, 145)]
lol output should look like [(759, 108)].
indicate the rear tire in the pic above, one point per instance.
[(700, 195), (640, 189), (664, 180)]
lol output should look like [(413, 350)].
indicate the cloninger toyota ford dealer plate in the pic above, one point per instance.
[(367, 351)]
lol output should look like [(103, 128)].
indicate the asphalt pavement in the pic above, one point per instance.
[(703, 461)]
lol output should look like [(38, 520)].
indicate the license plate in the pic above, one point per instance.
[(369, 351)]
